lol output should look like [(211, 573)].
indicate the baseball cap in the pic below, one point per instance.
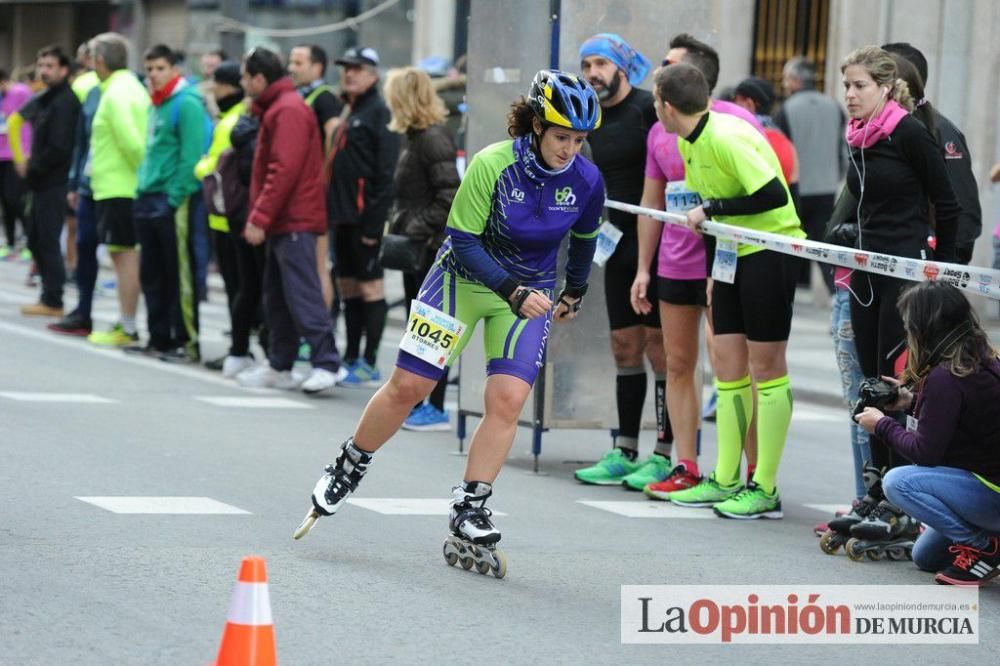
[(359, 55)]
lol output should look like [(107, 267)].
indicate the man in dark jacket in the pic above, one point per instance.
[(46, 176), (957, 161), (288, 211), (364, 159)]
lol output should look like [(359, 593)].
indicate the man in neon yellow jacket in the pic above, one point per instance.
[(229, 97), (117, 148)]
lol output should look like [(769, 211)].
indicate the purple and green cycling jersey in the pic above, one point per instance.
[(506, 224)]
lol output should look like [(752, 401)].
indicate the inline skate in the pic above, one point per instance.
[(473, 536), (341, 478), (885, 532), (838, 530)]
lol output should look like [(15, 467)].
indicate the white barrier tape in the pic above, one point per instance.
[(972, 279)]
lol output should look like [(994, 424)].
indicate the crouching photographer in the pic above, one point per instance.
[(950, 390)]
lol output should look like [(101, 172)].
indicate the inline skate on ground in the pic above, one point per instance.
[(341, 478), (473, 537), (886, 532), (838, 531)]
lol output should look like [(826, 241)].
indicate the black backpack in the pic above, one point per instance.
[(224, 191)]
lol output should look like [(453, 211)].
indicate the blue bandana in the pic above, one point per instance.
[(617, 50)]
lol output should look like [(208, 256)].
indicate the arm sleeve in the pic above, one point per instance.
[(770, 196), (283, 166), (583, 239), (936, 426), (466, 224), (378, 194), (191, 126)]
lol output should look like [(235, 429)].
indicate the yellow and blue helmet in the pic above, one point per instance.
[(564, 100)]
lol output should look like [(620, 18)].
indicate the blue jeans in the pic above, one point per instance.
[(850, 378), (954, 506), (201, 243)]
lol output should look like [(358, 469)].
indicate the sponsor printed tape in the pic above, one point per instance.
[(970, 279)]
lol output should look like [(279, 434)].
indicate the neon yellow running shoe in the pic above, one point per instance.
[(116, 337), (707, 493), (751, 504)]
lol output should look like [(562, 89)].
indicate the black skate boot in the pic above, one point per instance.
[(886, 531), (839, 528), (336, 485), (473, 536)]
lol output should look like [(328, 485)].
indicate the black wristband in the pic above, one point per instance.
[(574, 292), (520, 296)]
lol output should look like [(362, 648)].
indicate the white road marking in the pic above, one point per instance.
[(828, 509), (649, 509), (253, 403), (164, 505), (400, 506), (120, 356), (56, 397)]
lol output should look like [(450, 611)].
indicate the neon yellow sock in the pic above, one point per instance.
[(733, 412), (774, 413)]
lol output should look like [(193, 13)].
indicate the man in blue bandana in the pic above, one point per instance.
[(614, 69)]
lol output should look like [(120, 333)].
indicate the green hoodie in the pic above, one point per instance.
[(179, 131), (118, 136)]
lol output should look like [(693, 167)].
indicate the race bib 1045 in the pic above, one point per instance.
[(431, 335)]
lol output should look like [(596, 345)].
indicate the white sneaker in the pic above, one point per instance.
[(234, 365), (320, 380), (264, 376)]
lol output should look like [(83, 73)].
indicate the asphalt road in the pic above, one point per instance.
[(82, 584)]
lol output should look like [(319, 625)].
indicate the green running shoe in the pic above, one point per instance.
[(750, 504), (609, 470), (707, 493), (653, 469)]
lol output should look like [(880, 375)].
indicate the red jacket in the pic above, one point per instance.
[(287, 191)]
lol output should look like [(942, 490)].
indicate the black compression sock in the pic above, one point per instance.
[(630, 391)]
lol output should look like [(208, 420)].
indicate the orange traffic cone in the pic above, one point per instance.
[(248, 639)]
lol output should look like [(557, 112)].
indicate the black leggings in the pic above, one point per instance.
[(411, 286), (247, 306), (11, 200), (879, 338)]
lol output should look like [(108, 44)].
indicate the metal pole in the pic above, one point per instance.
[(233, 41), (555, 7)]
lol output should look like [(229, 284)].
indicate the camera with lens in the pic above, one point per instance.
[(877, 393)]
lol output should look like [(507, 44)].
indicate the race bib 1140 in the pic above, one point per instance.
[(431, 335)]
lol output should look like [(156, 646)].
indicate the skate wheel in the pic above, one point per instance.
[(829, 543), (500, 568), (449, 555), (875, 555), (483, 567), (307, 524), (466, 562), (896, 554), (853, 550)]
